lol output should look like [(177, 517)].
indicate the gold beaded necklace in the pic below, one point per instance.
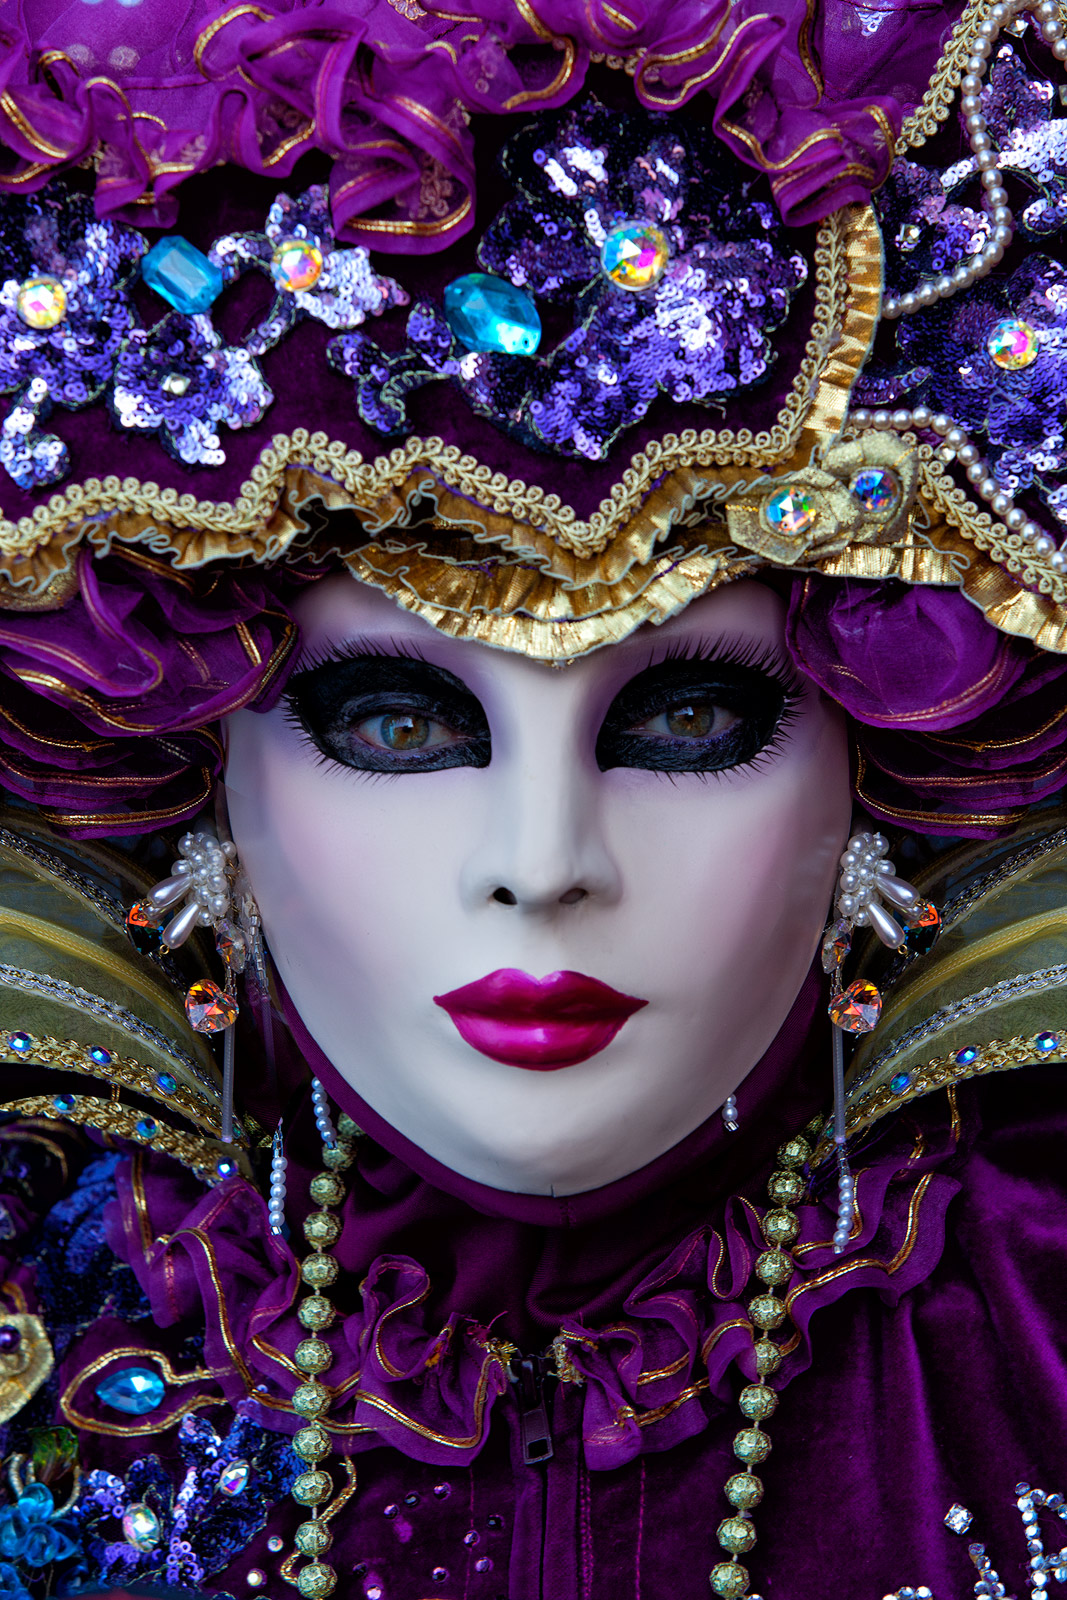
[(316, 1490)]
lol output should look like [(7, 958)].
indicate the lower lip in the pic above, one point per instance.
[(536, 1046)]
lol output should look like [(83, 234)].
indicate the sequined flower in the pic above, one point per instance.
[(64, 311), (179, 380), (314, 276), (637, 223), (995, 360), (145, 1528), (1028, 128), (925, 233)]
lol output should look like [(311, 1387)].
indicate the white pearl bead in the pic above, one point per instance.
[(1043, 544), (1059, 49), (1015, 518), (921, 416), (1058, 560)]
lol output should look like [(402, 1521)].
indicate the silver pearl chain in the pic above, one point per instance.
[(1046, 14)]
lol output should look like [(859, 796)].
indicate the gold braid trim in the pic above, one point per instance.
[(936, 103), (112, 1117)]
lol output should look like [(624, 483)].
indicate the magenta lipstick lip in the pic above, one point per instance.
[(540, 1024)]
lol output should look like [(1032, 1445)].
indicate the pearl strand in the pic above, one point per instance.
[(321, 1108), (958, 445), (278, 1165), (1046, 14)]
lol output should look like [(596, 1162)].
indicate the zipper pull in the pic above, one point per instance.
[(529, 1374)]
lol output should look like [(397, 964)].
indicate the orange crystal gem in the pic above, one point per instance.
[(924, 925), (857, 1008), (209, 1008)]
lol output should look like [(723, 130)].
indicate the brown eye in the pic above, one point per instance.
[(689, 719), (407, 731)]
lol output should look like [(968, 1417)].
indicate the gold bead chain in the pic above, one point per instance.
[(758, 1401), (315, 1486)]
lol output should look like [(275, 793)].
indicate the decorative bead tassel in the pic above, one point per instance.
[(729, 1114), (322, 1114), (227, 1085), (845, 1186), (278, 1165)]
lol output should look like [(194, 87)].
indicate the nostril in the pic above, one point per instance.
[(504, 897), (572, 897)]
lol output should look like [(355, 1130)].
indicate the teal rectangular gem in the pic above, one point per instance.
[(182, 274)]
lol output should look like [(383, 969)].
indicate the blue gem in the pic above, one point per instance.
[(899, 1083), (226, 1168), (876, 489), (147, 1128), (182, 274), (21, 1042), (64, 1102), (101, 1056), (487, 313), (1047, 1041), (166, 1081), (134, 1390), (965, 1057)]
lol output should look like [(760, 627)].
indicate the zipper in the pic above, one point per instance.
[(528, 1374)]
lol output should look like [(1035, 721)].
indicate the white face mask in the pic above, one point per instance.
[(517, 821)]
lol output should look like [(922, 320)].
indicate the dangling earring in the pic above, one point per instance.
[(729, 1114), (866, 883), (208, 888)]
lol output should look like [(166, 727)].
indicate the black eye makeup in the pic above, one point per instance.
[(701, 710), (377, 712)]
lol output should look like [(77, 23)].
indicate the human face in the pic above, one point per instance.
[(423, 813)]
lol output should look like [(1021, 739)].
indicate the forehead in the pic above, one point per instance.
[(342, 610)]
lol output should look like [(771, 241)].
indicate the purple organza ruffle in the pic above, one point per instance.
[(109, 707), (386, 91), (959, 728)]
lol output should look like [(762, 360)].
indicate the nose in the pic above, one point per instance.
[(542, 844)]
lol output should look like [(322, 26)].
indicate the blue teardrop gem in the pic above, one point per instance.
[(899, 1083), (134, 1390), (182, 274), (487, 313)]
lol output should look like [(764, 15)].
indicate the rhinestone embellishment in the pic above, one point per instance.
[(42, 302), (233, 1479), (182, 275), (135, 1391), (209, 1008), (635, 255), (140, 1527), (487, 313), (790, 511), (876, 489), (1012, 345), (857, 1008), (296, 265)]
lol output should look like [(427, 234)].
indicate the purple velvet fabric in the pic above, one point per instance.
[(814, 101), (931, 1365)]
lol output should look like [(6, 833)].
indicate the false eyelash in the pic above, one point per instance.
[(756, 655), (353, 649)]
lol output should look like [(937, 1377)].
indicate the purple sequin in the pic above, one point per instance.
[(1017, 416), (55, 234), (699, 334), (924, 233), (180, 381)]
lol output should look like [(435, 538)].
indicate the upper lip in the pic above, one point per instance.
[(514, 996)]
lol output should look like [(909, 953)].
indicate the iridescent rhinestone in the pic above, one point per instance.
[(1047, 1041), (167, 1082), (147, 1128), (209, 1008), (143, 924), (234, 1478), (835, 946), (789, 511), (1013, 345), (102, 1057), (958, 1519), (134, 1390), (857, 1008), (20, 1043), (274, 1544), (42, 302), (231, 945), (226, 1168), (175, 383), (182, 275), (908, 236), (876, 489), (64, 1103), (296, 265), (923, 928), (140, 1526), (635, 255), (487, 313), (965, 1056), (899, 1083)]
